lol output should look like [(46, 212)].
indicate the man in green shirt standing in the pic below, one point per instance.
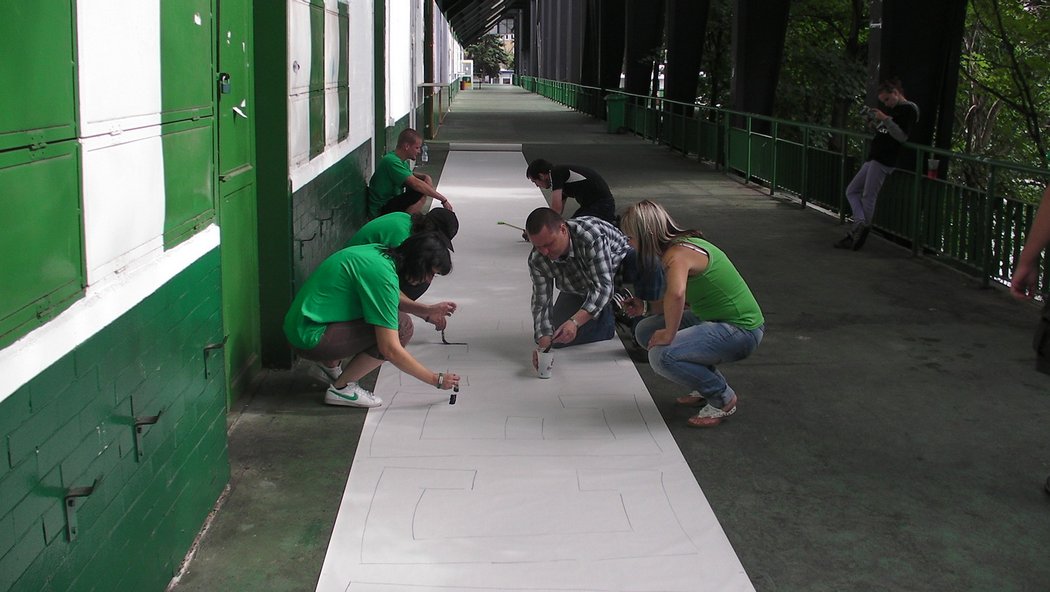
[(394, 187)]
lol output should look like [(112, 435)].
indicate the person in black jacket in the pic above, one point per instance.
[(893, 123)]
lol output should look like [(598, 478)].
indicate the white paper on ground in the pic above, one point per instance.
[(569, 483)]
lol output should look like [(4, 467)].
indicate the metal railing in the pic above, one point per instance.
[(976, 218), (441, 97)]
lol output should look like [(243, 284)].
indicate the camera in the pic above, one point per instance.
[(868, 114)]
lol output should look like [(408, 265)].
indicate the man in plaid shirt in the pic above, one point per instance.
[(580, 256)]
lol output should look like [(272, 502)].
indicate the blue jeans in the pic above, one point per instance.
[(597, 329), (697, 348)]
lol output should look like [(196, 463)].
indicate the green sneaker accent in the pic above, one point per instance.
[(352, 395), (342, 396)]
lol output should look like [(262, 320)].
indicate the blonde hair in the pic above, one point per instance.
[(653, 229)]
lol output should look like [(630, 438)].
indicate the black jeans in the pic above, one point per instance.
[(1041, 342)]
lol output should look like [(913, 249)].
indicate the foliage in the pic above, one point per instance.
[(823, 74), (489, 55), (1003, 103), (716, 65)]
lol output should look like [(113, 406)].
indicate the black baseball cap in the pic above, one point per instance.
[(444, 222)]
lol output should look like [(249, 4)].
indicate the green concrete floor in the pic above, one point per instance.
[(891, 432)]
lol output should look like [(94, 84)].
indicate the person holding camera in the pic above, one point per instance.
[(892, 124)]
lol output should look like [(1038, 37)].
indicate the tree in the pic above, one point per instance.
[(489, 55), (824, 73), (716, 69), (1003, 107)]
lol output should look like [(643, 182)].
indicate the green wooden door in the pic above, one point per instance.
[(237, 195)]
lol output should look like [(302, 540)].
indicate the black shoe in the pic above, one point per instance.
[(861, 237), (845, 243)]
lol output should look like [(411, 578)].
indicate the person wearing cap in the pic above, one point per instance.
[(346, 317), (391, 230), (394, 187)]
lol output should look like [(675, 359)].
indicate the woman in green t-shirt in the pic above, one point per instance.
[(348, 311), (722, 323)]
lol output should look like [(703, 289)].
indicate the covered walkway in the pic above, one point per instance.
[(891, 432)]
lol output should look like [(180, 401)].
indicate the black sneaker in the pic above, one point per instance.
[(861, 237), (845, 243)]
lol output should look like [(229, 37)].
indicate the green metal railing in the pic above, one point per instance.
[(441, 97), (976, 219)]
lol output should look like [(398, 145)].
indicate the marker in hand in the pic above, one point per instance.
[(452, 397), (556, 335)]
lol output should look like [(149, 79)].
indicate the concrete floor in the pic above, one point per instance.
[(891, 432)]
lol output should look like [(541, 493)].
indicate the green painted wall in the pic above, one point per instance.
[(328, 211), (317, 74), (41, 257), (270, 20), (74, 423), (40, 34), (379, 76), (296, 232), (237, 201), (189, 178)]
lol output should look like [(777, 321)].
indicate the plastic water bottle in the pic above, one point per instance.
[(424, 156)]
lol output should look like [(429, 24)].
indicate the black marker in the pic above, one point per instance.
[(452, 397)]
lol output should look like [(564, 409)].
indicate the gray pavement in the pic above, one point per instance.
[(891, 432)]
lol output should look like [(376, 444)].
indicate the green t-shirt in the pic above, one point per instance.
[(389, 230), (719, 293), (387, 182), (351, 284)]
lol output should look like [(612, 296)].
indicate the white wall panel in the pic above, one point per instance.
[(362, 95), (331, 118), (123, 199), (447, 52), (418, 30), (399, 91), (298, 130), (331, 44), (362, 80), (299, 46), (331, 72), (118, 61), (299, 63)]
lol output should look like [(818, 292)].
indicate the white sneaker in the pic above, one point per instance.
[(693, 399), (351, 395), (333, 372)]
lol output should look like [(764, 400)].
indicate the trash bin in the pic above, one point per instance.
[(615, 112), (464, 83)]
